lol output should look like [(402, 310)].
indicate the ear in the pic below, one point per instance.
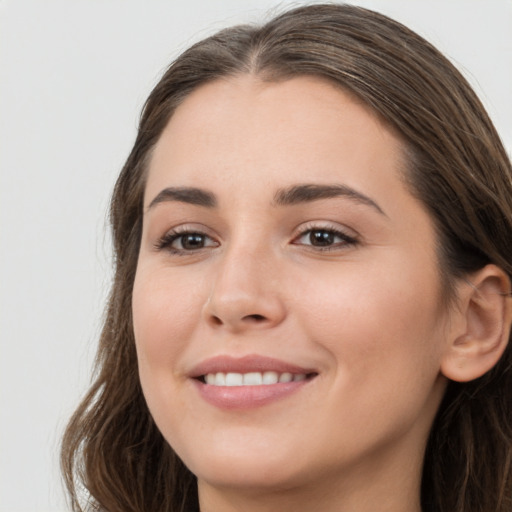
[(485, 306)]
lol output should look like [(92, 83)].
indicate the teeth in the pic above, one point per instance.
[(217, 379), (285, 377), (270, 378), (234, 379), (251, 378)]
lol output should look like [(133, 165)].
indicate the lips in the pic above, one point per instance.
[(250, 381), (245, 365)]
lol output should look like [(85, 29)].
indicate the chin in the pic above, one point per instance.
[(249, 475), (248, 466)]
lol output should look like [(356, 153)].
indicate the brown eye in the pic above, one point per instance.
[(325, 239), (190, 241), (185, 242), (321, 238)]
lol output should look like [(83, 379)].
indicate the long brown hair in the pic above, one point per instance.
[(457, 167)]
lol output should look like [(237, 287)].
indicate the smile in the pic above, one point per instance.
[(252, 378), (247, 382)]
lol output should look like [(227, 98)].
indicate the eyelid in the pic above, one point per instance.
[(326, 225), (164, 242), (350, 236)]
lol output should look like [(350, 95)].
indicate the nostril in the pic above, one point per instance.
[(216, 320), (255, 318)]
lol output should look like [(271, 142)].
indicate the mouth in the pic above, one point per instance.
[(267, 378), (251, 381)]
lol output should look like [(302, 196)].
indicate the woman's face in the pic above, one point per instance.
[(286, 305)]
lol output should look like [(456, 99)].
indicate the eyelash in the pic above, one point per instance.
[(346, 240), (165, 243)]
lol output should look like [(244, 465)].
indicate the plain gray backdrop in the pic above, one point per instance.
[(73, 77)]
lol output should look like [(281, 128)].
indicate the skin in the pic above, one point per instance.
[(365, 315)]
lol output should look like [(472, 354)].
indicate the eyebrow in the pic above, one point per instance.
[(312, 192), (190, 195), (293, 195)]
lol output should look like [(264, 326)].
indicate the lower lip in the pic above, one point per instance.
[(246, 397)]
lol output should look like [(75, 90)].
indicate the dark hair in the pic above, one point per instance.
[(456, 165)]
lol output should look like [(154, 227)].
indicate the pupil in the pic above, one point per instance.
[(321, 238), (193, 241)]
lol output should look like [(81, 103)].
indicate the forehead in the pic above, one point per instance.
[(244, 130)]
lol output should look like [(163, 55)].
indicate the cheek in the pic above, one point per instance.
[(383, 334), (164, 319), (165, 313), (377, 322)]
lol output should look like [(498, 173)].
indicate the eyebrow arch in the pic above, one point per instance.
[(313, 192), (190, 195)]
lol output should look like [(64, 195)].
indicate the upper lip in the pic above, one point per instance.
[(246, 364)]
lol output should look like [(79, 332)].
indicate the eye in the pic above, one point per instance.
[(179, 242), (324, 238)]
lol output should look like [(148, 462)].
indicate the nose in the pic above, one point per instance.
[(245, 293)]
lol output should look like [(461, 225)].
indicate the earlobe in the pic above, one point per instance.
[(486, 305)]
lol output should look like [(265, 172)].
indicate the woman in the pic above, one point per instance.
[(311, 302)]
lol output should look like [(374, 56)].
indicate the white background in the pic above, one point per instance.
[(73, 77)]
